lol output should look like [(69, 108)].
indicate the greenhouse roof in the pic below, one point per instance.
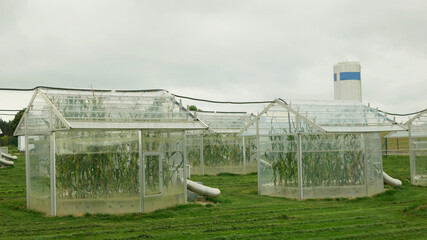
[(320, 116), (418, 127), (96, 109), (224, 122)]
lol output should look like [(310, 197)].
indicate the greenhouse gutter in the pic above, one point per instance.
[(145, 125)]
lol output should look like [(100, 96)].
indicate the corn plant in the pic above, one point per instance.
[(282, 157)]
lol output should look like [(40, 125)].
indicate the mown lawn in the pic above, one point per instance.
[(239, 213)]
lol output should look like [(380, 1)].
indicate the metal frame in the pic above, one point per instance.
[(184, 139), (27, 160), (244, 154), (202, 159), (299, 161), (412, 157), (52, 165), (52, 174), (258, 156), (141, 173), (366, 164)]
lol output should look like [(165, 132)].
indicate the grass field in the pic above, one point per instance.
[(238, 213)]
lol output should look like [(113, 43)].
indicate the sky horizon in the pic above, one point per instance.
[(222, 50)]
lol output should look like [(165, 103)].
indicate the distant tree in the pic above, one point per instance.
[(4, 140), (193, 108), (14, 123), (4, 126), (8, 128)]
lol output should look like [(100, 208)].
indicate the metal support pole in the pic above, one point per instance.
[(411, 154), (52, 174), (397, 143), (299, 161), (386, 146), (52, 165), (184, 136), (366, 162), (244, 155), (202, 159), (381, 157), (141, 175), (258, 156), (27, 161)]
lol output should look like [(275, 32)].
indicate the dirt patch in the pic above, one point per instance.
[(203, 201), (420, 207)]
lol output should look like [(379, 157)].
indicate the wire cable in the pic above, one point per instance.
[(402, 114), (178, 96), (220, 102), (78, 89)]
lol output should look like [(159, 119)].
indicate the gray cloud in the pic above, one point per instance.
[(227, 50)]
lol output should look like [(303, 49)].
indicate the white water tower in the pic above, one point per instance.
[(347, 83)]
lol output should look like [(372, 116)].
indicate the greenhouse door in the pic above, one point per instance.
[(152, 174)]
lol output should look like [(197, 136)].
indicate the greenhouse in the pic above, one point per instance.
[(417, 135), (319, 149), (418, 148), (105, 151), (219, 149)]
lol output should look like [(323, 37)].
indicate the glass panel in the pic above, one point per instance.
[(419, 143), (89, 106), (39, 154), (251, 165), (345, 115), (224, 122), (194, 149), (222, 153), (97, 172), (374, 163), (39, 116), (278, 166), (170, 146), (333, 165), (332, 116), (153, 171), (20, 129), (278, 120)]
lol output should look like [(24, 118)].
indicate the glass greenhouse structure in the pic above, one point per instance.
[(219, 149), (105, 151), (418, 148), (417, 135), (319, 149)]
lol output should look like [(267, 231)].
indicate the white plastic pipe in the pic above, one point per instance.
[(265, 162), (6, 162), (391, 181), (202, 189), (8, 156)]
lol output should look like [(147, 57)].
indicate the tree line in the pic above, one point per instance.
[(8, 128)]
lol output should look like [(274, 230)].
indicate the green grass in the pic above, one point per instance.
[(239, 213)]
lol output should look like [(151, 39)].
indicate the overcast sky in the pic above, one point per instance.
[(225, 50)]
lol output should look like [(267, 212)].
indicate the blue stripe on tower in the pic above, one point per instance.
[(335, 77), (350, 76)]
